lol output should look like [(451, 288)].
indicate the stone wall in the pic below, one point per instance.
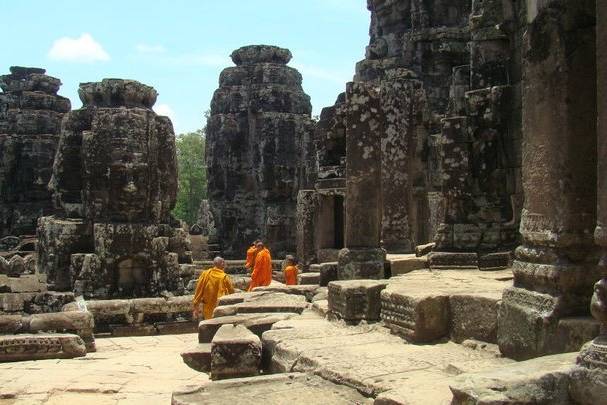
[(30, 118), (260, 118)]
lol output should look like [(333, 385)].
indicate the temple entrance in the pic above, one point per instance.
[(132, 277), (330, 227)]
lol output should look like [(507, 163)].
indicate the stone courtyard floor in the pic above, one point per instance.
[(130, 370)]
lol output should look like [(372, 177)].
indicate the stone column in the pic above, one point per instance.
[(555, 268), (362, 256), (588, 380)]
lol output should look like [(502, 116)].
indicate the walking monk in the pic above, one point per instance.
[(251, 252), (212, 284), (262, 269)]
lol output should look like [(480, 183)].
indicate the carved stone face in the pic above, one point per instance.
[(128, 188)]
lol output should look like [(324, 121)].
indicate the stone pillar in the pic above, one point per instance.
[(555, 268), (362, 257), (589, 378), (307, 202)]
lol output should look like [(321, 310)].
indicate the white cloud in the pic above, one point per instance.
[(146, 48), (317, 72), (165, 109), (81, 49)]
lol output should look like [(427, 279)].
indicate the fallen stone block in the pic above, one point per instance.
[(40, 347), (256, 323), (356, 300), (198, 357), (292, 388), (544, 380), (308, 278), (235, 352), (263, 302)]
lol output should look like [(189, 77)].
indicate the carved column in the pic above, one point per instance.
[(555, 268), (589, 378), (362, 257)]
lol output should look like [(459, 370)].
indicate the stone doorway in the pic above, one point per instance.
[(330, 227), (132, 277)]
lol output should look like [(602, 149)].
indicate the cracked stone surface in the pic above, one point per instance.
[(370, 359), (136, 370)]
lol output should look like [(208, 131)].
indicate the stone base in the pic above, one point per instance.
[(589, 379), (235, 353), (361, 263), (528, 326), (356, 300)]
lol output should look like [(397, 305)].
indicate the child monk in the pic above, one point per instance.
[(291, 271)]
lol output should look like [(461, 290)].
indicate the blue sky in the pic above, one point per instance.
[(181, 46)]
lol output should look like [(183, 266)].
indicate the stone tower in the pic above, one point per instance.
[(30, 117), (260, 118), (114, 185)]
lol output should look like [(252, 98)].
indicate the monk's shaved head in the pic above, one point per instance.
[(219, 262)]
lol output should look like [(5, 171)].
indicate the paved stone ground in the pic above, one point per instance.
[(131, 370)]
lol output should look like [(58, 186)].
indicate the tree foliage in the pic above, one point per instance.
[(192, 175)]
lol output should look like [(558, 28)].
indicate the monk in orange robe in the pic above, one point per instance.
[(212, 284), (262, 269), (251, 253), (290, 272)]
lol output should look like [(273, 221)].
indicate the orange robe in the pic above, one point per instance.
[(262, 270), (251, 252), (212, 284), (290, 273)]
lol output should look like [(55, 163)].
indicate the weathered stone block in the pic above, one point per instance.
[(356, 300), (403, 264), (235, 352), (361, 263), (452, 260)]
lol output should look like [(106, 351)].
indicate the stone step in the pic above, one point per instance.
[(198, 357), (292, 388), (235, 352), (256, 323), (403, 264)]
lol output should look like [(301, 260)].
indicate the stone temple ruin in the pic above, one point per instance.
[(448, 212), (260, 122)]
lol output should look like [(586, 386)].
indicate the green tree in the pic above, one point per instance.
[(192, 175)]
